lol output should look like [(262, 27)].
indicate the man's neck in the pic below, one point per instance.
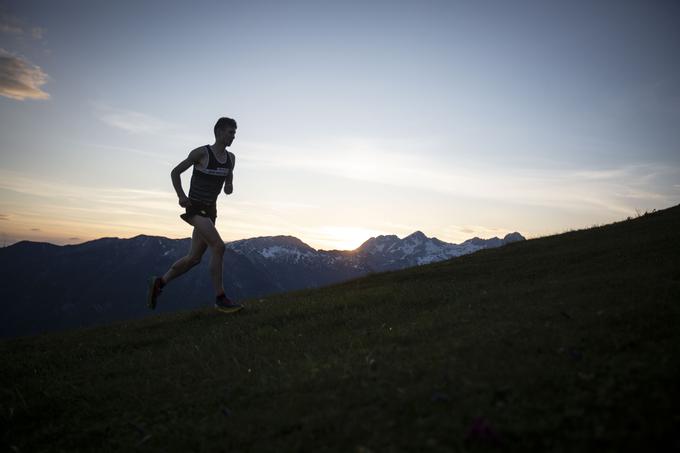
[(219, 147)]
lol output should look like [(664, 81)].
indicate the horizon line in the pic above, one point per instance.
[(256, 237)]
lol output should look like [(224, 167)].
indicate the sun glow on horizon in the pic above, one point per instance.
[(338, 237)]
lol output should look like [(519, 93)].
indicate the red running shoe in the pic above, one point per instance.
[(222, 303)]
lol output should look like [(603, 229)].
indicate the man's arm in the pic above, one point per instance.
[(193, 158), (229, 182)]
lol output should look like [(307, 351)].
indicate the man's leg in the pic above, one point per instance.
[(196, 251), (212, 238)]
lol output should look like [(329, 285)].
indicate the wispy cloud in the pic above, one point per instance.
[(37, 32), (113, 195), (461, 233), (141, 123), (277, 205), (64, 210), (618, 189), (20, 79), (609, 173), (14, 26), (10, 29), (158, 157), (73, 205), (131, 121)]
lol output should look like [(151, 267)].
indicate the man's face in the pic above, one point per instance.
[(228, 135)]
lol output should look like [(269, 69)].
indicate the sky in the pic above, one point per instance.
[(355, 118)]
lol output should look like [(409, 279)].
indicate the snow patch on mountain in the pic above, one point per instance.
[(277, 251)]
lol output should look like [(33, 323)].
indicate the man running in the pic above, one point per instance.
[(213, 169)]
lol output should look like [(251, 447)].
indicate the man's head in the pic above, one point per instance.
[(225, 130)]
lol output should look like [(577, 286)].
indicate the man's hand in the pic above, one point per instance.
[(228, 189), (184, 202)]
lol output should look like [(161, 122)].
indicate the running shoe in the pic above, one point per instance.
[(154, 289), (222, 303)]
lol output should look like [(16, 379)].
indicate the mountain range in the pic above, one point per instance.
[(46, 287)]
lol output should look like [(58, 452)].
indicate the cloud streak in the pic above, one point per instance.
[(131, 121), (139, 123), (619, 189), (158, 157), (12, 25), (20, 79), (107, 197), (10, 29), (37, 32), (65, 210), (70, 203)]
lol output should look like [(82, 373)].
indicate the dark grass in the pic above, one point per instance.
[(564, 343)]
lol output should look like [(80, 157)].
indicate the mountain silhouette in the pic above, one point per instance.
[(47, 287)]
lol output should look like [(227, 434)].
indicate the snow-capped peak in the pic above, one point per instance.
[(384, 252), (417, 236), (273, 248)]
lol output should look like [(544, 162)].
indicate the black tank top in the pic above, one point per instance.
[(207, 183)]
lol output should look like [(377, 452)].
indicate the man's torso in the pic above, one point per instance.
[(221, 158), (209, 175)]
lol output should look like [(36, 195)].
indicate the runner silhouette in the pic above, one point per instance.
[(213, 171)]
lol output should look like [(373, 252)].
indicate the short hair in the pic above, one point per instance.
[(223, 123)]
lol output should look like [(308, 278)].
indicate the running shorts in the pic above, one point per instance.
[(199, 208)]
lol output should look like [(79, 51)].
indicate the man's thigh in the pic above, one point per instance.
[(198, 245), (207, 230)]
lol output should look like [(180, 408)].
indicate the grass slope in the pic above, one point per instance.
[(565, 343)]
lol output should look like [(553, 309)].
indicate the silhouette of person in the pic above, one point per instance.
[(213, 170)]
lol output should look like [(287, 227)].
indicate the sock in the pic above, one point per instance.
[(221, 296)]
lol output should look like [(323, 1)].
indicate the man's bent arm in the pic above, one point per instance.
[(193, 158)]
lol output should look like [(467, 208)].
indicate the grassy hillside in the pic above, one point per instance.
[(563, 343)]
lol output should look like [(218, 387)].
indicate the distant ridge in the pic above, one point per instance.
[(49, 287)]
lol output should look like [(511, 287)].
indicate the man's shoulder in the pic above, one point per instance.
[(201, 148), (198, 152)]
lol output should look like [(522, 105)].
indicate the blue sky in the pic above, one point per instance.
[(355, 118)]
